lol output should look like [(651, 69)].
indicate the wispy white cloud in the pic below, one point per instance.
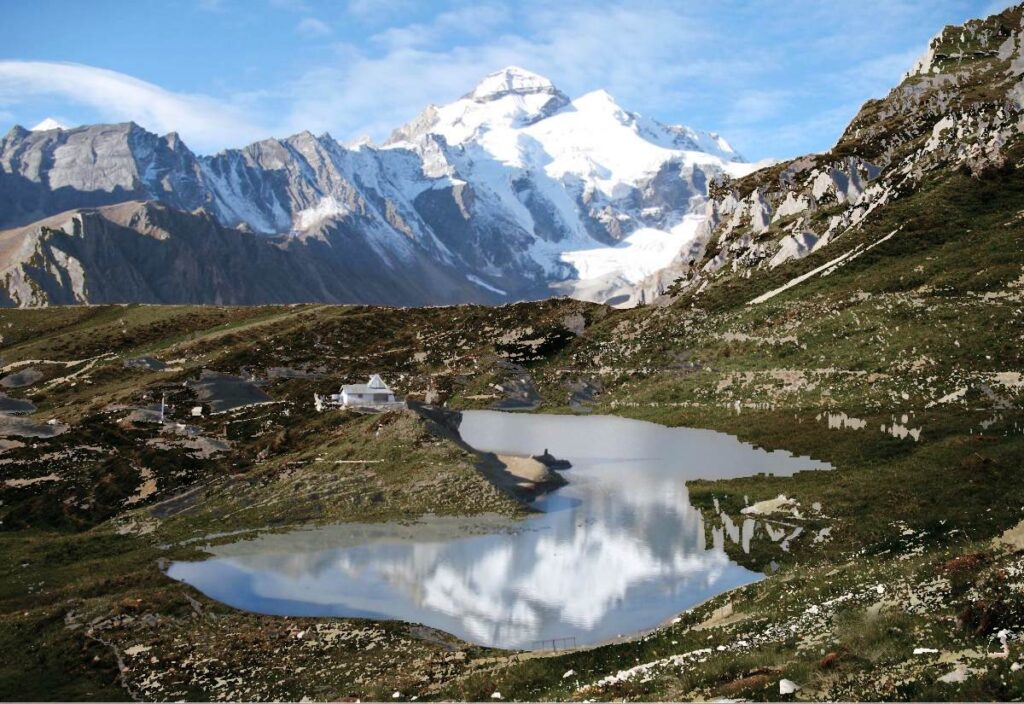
[(207, 123), (758, 105), (775, 79), (792, 136), (659, 59), (311, 27), (627, 51), (466, 22), (873, 77)]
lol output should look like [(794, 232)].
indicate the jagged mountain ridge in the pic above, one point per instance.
[(148, 252), (515, 189), (959, 107)]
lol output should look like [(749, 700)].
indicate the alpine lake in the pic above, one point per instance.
[(616, 552)]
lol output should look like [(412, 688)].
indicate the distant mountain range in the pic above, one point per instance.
[(512, 192)]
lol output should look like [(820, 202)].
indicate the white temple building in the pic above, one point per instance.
[(373, 393)]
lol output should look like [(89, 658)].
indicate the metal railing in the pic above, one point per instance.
[(556, 643)]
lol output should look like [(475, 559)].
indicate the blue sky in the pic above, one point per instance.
[(776, 79)]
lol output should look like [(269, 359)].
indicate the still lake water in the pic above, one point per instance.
[(617, 551)]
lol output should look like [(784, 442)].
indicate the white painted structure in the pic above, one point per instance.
[(373, 393)]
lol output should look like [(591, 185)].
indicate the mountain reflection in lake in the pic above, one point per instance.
[(617, 551)]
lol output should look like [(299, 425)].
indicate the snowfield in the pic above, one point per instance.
[(643, 253), (554, 165)]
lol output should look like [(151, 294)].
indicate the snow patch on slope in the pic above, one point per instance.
[(511, 79), (483, 284), (595, 140), (327, 208), (49, 124), (646, 251)]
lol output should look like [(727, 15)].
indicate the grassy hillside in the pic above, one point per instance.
[(912, 349)]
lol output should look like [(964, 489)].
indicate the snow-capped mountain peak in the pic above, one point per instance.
[(599, 99), (596, 195), (513, 188), (510, 98), (49, 124), (511, 80)]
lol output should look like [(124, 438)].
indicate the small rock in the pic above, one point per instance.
[(959, 674), (1003, 637), (788, 686)]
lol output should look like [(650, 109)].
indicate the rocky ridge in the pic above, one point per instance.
[(959, 107)]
